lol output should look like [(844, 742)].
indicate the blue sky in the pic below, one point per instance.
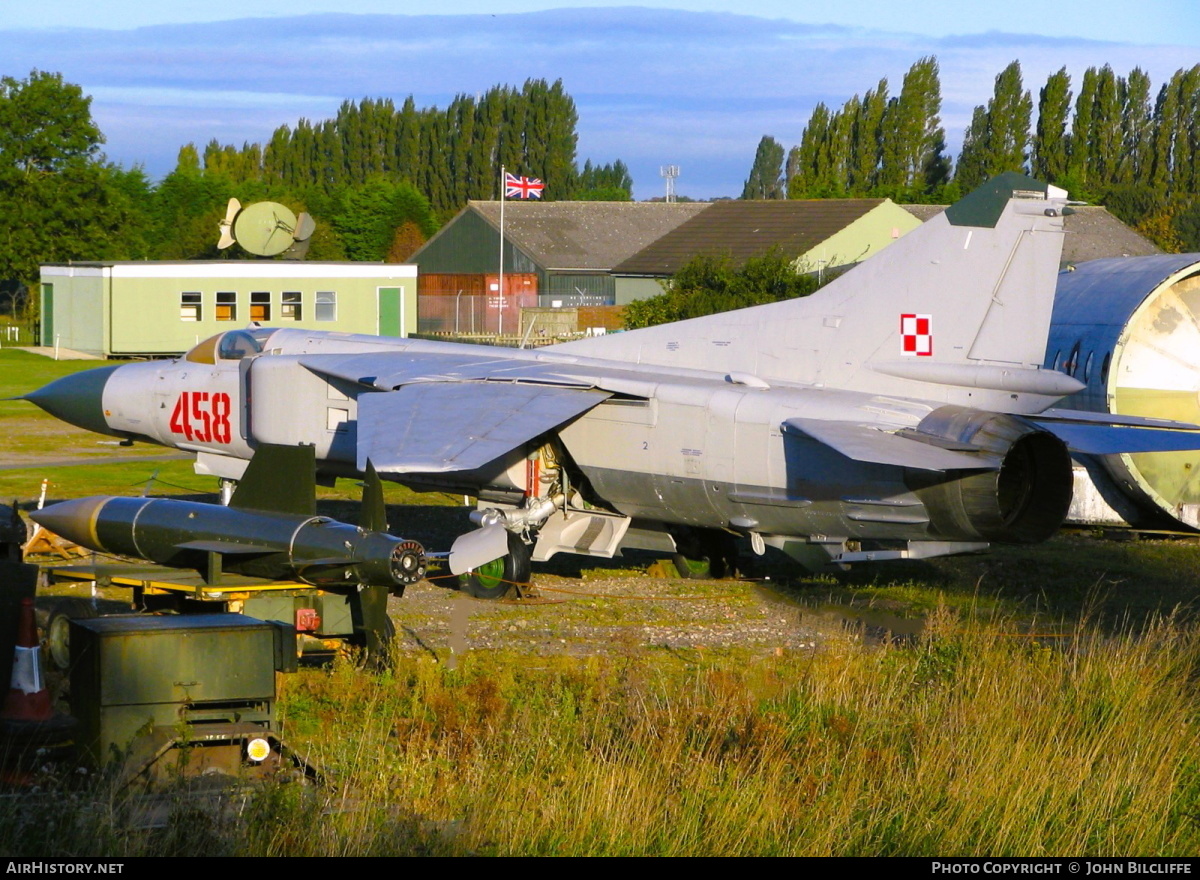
[(684, 83)]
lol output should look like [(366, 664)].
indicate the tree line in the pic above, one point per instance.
[(379, 179), (1111, 143)]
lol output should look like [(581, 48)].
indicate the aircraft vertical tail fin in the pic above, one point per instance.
[(963, 302)]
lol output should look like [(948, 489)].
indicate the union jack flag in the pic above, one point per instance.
[(522, 187)]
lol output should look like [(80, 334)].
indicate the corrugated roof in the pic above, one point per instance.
[(585, 235), (746, 228), (1092, 234)]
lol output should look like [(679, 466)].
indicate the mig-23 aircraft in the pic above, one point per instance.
[(901, 411)]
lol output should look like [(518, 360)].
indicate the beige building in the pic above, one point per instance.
[(816, 234)]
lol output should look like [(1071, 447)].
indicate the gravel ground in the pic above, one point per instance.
[(593, 615), (599, 615), (577, 606)]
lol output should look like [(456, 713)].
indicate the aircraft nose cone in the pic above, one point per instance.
[(77, 399), (74, 520)]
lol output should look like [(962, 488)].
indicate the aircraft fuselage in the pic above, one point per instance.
[(694, 452)]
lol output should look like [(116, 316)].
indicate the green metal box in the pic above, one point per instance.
[(148, 674)]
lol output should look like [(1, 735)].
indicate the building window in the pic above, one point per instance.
[(290, 310), (260, 306), (326, 305), (226, 305), (189, 306)]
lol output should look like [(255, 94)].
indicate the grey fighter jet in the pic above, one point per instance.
[(902, 411)]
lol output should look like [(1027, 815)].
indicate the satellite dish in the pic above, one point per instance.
[(305, 227), (266, 229), (230, 213)]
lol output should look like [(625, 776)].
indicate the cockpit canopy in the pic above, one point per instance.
[(232, 345)]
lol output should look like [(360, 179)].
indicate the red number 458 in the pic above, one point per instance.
[(201, 416)]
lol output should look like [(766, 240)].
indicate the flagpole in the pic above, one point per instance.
[(500, 327)]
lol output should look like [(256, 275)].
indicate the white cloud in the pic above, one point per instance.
[(652, 86)]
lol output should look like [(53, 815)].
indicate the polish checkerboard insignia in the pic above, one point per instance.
[(916, 335)]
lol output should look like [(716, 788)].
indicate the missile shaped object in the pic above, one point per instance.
[(260, 534)]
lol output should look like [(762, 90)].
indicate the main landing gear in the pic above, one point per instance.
[(492, 580)]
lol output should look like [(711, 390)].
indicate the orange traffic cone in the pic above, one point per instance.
[(27, 700), (30, 731)]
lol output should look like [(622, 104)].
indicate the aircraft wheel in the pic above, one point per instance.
[(689, 567), (492, 580), (58, 629), (723, 554), (706, 553)]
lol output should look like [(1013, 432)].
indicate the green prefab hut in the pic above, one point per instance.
[(158, 309)]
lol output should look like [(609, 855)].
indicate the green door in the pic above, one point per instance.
[(390, 323), (47, 314)]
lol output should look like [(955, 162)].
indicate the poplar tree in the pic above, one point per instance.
[(868, 140), (1105, 136), (1136, 129), (766, 174), (841, 145), (913, 138), (275, 155), (611, 182), (461, 132), (406, 136), (1081, 129), (973, 162), (485, 146), (1185, 176), (810, 168), (998, 138), (1051, 143)]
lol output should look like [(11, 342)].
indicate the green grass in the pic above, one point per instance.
[(1049, 707), (22, 371), (972, 741), (31, 435)]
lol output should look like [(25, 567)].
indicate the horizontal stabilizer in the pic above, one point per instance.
[(1079, 415), (444, 427), (865, 443), (1090, 438)]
